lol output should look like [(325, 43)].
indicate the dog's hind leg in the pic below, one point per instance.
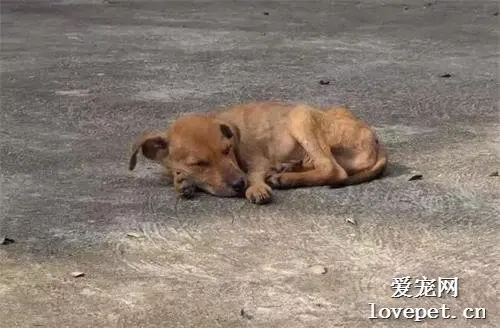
[(306, 129)]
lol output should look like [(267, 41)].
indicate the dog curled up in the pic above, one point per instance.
[(251, 148)]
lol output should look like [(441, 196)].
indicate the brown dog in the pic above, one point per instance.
[(286, 145)]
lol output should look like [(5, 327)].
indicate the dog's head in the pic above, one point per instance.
[(201, 147)]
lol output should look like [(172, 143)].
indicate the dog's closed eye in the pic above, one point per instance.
[(201, 163)]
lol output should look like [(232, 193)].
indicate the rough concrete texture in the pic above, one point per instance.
[(80, 79)]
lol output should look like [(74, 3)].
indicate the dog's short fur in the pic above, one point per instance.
[(274, 143)]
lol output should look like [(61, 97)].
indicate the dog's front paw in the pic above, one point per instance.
[(184, 185), (259, 194), (187, 191)]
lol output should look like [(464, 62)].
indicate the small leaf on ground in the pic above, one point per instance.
[(6, 241), (416, 177), (351, 221), (318, 269), (134, 235), (245, 314), (77, 274), (494, 174)]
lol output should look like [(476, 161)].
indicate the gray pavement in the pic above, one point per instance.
[(80, 79)]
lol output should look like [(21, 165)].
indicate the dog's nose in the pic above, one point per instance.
[(239, 184)]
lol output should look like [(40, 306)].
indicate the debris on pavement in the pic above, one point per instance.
[(6, 241), (324, 82), (416, 177), (77, 274), (494, 174), (265, 13), (446, 75), (318, 269), (245, 314), (351, 221), (134, 235)]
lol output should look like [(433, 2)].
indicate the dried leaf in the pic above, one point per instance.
[(245, 314), (134, 235), (318, 269), (351, 221), (494, 174), (77, 274), (6, 241), (416, 177)]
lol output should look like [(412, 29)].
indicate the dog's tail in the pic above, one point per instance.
[(373, 172)]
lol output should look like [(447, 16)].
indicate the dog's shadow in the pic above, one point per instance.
[(396, 170)]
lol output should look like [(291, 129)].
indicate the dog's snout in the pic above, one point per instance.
[(239, 184)]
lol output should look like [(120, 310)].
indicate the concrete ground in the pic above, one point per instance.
[(80, 79)]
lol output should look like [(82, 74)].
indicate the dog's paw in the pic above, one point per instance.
[(274, 171), (187, 191), (276, 180), (284, 180), (184, 185), (259, 194)]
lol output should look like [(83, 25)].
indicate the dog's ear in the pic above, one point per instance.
[(232, 132), (154, 146), (226, 130)]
